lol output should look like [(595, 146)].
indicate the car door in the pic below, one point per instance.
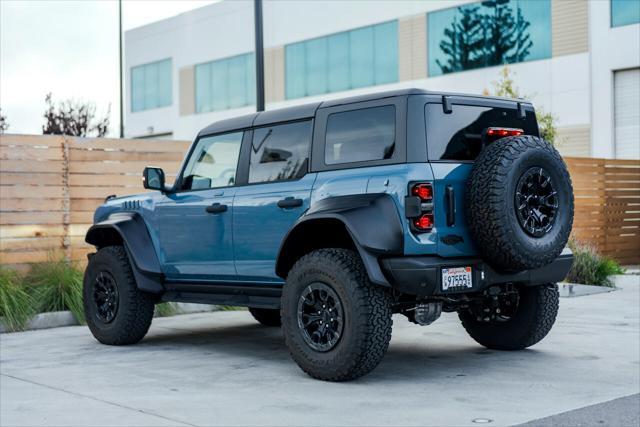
[(276, 194), (194, 224)]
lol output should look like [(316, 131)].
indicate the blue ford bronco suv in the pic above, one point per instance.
[(330, 217)]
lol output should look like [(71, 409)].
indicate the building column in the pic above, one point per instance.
[(412, 47), (187, 90)]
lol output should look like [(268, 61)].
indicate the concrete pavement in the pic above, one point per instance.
[(223, 368)]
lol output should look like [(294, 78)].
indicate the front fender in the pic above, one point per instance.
[(130, 229), (371, 220)]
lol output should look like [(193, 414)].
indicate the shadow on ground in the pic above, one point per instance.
[(403, 361)]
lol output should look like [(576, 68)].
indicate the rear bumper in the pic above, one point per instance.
[(422, 275)]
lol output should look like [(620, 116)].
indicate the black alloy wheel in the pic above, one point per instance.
[(105, 297), (320, 316), (536, 202)]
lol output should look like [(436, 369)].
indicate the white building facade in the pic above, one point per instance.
[(577, 59)]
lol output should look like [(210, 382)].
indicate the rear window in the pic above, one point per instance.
[(458, 135), (361, 135)]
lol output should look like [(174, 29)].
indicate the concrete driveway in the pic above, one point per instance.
[(223, 368)]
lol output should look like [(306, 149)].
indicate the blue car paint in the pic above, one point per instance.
[(259, 225), (242, 244), (192, 243)]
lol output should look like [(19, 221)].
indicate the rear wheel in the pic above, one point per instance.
[(117, 312), (336, 324), (266, 316), (515, 321)]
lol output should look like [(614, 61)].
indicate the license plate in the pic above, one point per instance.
[(456, 278)]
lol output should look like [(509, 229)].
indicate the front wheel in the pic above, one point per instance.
[(513, 323), (336, 324), (117, 312)]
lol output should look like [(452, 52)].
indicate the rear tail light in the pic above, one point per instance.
[(502, 132), (424, 191), (419, 207), (424, 222)]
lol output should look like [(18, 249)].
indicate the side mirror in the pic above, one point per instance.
[(153, 178)]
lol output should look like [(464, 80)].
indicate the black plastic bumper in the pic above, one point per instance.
[(422, 275)]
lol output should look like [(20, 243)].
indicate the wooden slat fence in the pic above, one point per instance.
[(607, 206), (51, 185)]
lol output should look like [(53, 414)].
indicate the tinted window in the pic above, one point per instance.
[(280, 152), (361, 135), (458, 136), (488, 33), (213, 162)]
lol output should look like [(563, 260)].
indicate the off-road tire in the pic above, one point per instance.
[(135, 308), (534, 318), (266, 316), (490, 203), (367, 311)]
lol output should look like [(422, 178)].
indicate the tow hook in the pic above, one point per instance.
[(427, 313)]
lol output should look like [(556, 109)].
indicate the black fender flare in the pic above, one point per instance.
[(372, 221), (135, 237)]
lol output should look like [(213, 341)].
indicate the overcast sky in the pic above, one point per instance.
[(69, 48)]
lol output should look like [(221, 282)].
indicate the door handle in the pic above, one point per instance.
[(216, 208), (289, 202)]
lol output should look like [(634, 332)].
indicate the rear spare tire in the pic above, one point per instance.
[(519, 203)]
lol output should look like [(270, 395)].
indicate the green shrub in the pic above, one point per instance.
[(16, 305), (165, 309), (57, 286), (230, 308), (591, 268)]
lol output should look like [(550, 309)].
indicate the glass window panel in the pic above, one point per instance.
[(361, 48), (348, 60), (213, 162), (338, 46), (250, 76), (316, 66), (458, 136), (237, 81), (137, 89), (295, 72), (386, 43), (280, 152), (151, 85), (361, 135), (164, 83), (225, 83), (488, 33), (219, 85), (625, 12), (203, 88)]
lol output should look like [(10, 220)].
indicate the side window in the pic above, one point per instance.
[(213, 162), (360, 135), (280, 152)]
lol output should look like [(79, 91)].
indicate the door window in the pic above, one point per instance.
[(361, 135), (213, 162), (280, 152)]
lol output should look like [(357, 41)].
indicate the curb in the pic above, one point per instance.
[(57, 319)]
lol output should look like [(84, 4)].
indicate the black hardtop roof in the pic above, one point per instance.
[(304, 111)]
